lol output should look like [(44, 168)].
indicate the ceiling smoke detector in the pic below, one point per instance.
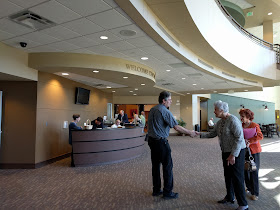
[(31, 20), (128, 33)]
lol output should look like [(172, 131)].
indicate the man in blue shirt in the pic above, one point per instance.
[(73, 126), (160, 121)]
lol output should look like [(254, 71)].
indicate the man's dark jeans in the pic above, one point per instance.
[(161, 154)]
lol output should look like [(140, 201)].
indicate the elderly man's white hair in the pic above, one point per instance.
[(221, 106)]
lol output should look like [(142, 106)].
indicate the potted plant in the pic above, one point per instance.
[(182, 123)]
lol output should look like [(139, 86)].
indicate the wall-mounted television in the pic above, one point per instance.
[(82, 96)]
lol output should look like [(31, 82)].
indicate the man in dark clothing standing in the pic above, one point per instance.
[(160, 121)]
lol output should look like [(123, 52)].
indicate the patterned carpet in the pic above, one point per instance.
[(198, 177)]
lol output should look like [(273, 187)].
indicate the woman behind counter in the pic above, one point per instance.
[(252, 178), (230, 133)]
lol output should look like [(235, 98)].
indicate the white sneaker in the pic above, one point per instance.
[(247, 191)]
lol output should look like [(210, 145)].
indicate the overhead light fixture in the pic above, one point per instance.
[(113, 91), (108, 87), (168, 70), (95, 71), (270, 13), (136, 89), (188, 93), (242, 105), (104, 37), (144, 58), (193, 84), (245, 90), (65, 74), (202, 88), (131, 91), (135, 94), (143, 84), (215, 91), (183, 78), (265, 107), (125, 77)]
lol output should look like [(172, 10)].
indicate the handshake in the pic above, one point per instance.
[(194, 133)]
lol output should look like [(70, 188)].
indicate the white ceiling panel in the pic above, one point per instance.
[(157, 50), (7, 8), (111, 37), (120, 46), (13, 28), (124, 14), (5, 35), (82, 50), (60, 32), (112, 3), (40, 37), (143, 41), (83, 26), (170, 60), (136, 53), (43, 48), (82, 42), (16, 40), (132, 27), (116, 54), (63, 46), (55, 12), (27, 3), (100, 49), (86, 7), (109, 19)]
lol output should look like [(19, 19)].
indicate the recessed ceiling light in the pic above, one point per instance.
[(125, 77), (65, 74), (202, 88), (168, 70), (143, 84), (215, 91), (113, 91), (183, 78), (188, 93), (104, 37), (144, 58), (131, 91), (270, 13), (135, 94), (136, 89), (245, 90), (108, 87), (95, 71), (193, 84)]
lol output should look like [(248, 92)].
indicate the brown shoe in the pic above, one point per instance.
[(254, 198)]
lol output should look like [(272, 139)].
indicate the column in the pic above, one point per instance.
[(268, 31)]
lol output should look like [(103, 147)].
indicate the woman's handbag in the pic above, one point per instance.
[(250, 164)]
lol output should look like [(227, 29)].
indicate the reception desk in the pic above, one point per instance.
[(95, 147)]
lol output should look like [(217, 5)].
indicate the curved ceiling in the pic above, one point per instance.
[(78, 28)]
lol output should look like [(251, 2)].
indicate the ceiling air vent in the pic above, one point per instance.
[(31, 20), (167, 84)]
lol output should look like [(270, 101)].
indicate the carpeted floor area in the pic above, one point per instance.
[(198, 178)]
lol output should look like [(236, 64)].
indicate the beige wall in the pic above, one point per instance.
[(186, 110), (18, 122), (15, 62), (56, 97)]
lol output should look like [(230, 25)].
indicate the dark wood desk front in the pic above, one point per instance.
[(95, 147)]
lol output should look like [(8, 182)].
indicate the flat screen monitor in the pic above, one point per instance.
[(82, 96)]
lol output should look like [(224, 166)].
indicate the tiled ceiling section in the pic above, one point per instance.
[(78, 27)]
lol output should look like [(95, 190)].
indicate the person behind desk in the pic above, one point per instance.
[(73, 126), (117, 124), (97, 123), (123, 117)]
